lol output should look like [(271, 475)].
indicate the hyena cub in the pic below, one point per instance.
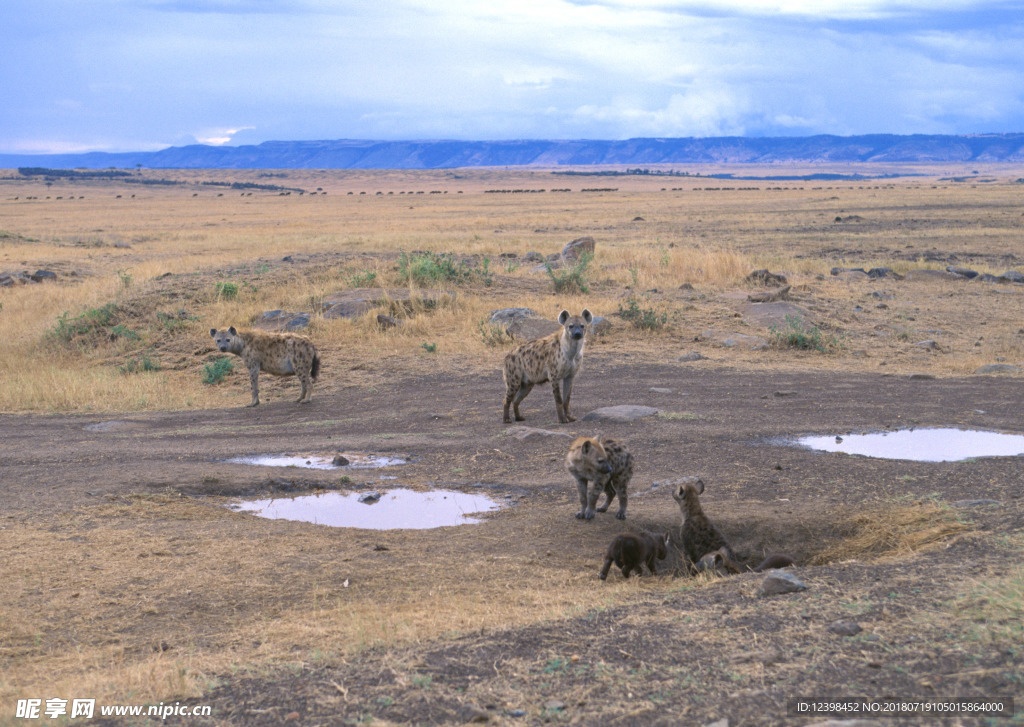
[(555, 358), (608, 464), (281, 354), (697, 536), (631, 551), (703, 545)]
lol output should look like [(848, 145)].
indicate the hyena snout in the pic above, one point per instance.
[(606, 467)]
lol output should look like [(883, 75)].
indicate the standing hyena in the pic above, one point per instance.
[(605, 462), (281, 354), (555, 358)]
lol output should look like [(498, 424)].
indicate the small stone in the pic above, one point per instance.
[(659, 390), (785, 393), (844, 628), (340, 460), (291, 716), (554, 705), (516, 713), (691, 356), (368, 498), (777, 582)]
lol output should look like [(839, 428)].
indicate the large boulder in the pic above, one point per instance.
[(576, 249)]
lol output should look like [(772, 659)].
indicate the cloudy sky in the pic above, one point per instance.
[(128, 75)]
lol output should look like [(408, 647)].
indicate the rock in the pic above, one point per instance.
[(554, 705), (998, 369), (527, 329), (779, 581), (882, 295), (659, 390), (769, 296), (921, 377), (385, 322), (736, 340), (505, 317), (929, 345), (41, 275), (724, 722), (349, 309), (852, 275), (470, 714), (768, 315), (279, 320), (620, 413), (988, 278), (843, 627), (962, 272), (927, 274), (764, 277), (521, 432), (839, 271), (691, 356), (785, 393), (369, 498), (533, 257), (516, 713), (576, 249), (1011, 276), (976, 503), (340, 460), (884, 273), (8, 279), (600, 326)]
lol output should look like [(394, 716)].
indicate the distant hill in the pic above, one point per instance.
[(355, 154)]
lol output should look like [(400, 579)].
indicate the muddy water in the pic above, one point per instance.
[(396, 509), (320, 461), (921, 445)]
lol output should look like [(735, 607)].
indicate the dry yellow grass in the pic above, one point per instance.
[(111, 242)]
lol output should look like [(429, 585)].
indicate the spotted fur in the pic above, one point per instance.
[(555, 358), (609, 465), (280, 354)]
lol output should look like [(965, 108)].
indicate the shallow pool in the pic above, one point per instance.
[(921, 445)]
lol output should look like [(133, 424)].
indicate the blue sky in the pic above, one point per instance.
[(127, 75)]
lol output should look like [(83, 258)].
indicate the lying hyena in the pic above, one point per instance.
[(555, 358), (605, 462), (281, 354)]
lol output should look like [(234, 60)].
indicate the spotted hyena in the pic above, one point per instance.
[(630, 552), (605, 462), (281, 354), (555, 358), (701, 543)]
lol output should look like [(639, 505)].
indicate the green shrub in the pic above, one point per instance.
[(492, 334), (797, 333), (431, 267), (362, 280), (121, 331), (215, 371), (646, 319), (571, 280), (227, 291), (429, 347), (92, 323)]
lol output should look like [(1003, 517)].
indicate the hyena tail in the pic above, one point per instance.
[(315, 370)]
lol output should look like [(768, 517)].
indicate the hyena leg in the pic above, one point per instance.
[(307, 388), (607, 566), (566, 395), (581, 486), (610, 492), (623, 501), (514, 396), (254, 383), (556, 390)]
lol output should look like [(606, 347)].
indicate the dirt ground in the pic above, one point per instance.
[(664, 650)]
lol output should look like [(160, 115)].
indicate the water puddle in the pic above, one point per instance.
[(392, 510), (922, 445), (321, 461)]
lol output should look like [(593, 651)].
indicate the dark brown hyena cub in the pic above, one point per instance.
[(631, 551), (608, 464)]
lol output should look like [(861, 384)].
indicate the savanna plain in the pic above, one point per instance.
[(129, 579)]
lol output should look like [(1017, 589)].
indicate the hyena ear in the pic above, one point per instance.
[(586, 447), (232, 331), (213, 332), (587, 315), (679, 493), (563, 317), (700, 486)]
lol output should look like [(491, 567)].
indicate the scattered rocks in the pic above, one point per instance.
[(620, 413), (735, 340), (843, 627), (884, 273), (767, 315), (962, 272), (11, 278), (998, 368), (976, 503), (279, 320), (40, 275), (521, 432), (778, 582), (1011, 276), (928, 274), (691, 356)]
